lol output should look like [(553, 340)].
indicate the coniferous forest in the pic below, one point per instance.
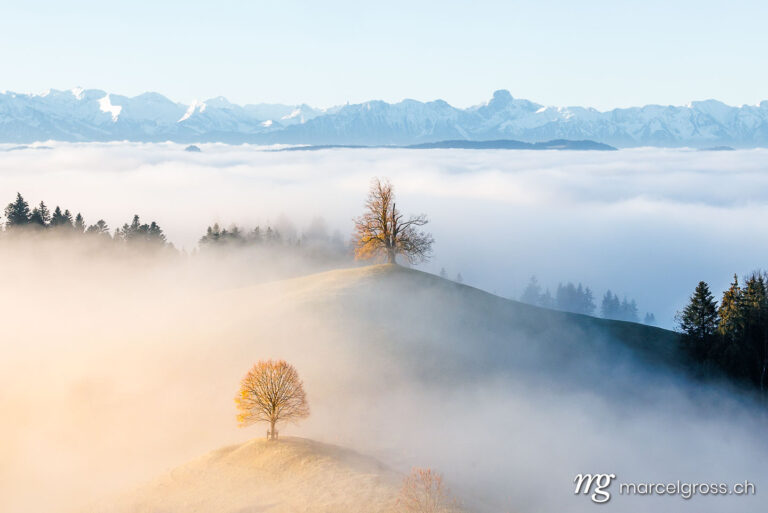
[(730, 337), (21, 218), (581, 300)]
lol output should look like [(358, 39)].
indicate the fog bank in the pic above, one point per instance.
[(646, 223)]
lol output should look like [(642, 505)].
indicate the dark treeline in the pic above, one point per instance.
[(581, 300), (314, 243), (20, 218), (730, 337)]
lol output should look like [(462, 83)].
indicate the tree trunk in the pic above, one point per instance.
[(272, 430), (391, 256)]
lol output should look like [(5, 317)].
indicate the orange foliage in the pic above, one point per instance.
[(271, 392), (424, 492), (383, 233)]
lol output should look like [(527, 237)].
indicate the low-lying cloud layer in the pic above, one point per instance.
[(646, 223), (116, 370)]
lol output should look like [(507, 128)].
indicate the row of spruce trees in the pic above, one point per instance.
[(730, 337), (581, 300), (20, 218)]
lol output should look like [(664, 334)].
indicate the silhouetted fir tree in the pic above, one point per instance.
[(216, 236), (40, 216), (100, 228), (17, 213), (546, 300), (136, 232), (577, 299), (459, 278), (731, 325), (58, 219), (649, 319), (272, 236), (532, 293), (610, 306), (79, 223), (212, 235), (754, 306), (587, 302), (698, 321), (628, 311), (443, 273)]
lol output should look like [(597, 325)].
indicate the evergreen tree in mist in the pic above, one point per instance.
[(100, 228), (628, 311), (61, 219), (17, 213), (649, 319), (546, 300), (40, 216), (532, 294), (731, 322), (79, 223), (731, 339), (580, 299), (610, 307), (215, 235), (754, 307), (576, 299), (150, 234), (698, 321)]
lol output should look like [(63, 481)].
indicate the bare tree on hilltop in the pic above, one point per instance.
[(383, 231)]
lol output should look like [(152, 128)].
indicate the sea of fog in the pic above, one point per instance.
[(646, 223)]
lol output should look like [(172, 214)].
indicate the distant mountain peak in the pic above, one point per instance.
[(79, 115), (502, 96)]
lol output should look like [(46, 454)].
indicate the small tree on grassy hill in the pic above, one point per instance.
[(271, 392)]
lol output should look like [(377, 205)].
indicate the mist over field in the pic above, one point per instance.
[(117, 369), (646, 223)]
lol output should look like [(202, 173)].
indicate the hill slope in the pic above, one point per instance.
[(432, 325), (291, 475)]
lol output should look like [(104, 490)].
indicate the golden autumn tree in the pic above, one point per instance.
[(384, 232), (271, 392), (424, 491)]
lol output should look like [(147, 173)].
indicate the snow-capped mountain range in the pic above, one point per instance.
[(94, 115)]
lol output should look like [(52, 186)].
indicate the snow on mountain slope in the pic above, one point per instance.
[(94, 115)]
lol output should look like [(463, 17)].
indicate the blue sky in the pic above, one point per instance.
[(597, 53)]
